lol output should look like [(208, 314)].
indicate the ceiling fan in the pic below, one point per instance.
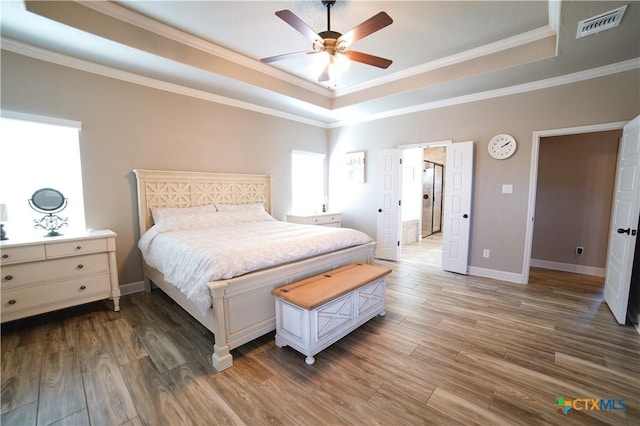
[(332, 45)]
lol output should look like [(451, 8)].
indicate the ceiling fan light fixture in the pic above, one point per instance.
[(319, 63), (338, 65), (328, 66), (331, 48)]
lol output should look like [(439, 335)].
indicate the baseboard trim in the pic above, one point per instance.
[(568, 267), (497, 275), (130, 288)]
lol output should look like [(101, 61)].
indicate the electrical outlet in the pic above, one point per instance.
[(485, 253), (579, 250)]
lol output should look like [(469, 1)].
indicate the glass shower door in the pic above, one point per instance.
[(432, 191)]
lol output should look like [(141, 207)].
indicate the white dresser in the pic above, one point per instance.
[(324, 219), (49, 273)]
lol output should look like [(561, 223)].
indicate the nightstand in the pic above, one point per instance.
[(324, 219)]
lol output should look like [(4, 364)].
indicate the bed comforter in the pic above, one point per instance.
[(190, 258)]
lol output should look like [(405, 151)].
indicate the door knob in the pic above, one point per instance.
[(465, 215), (624, 231), (379, 210)]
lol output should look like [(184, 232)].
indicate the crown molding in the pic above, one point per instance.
[(485, 50), (130, 17), (83, 65), (126, 15), (105, 71), (576, 77)]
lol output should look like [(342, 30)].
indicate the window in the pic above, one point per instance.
[(39, 154), (307, 182)]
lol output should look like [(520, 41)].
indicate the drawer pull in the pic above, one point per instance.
[(5, 256), (80, 266), (82, 287), (8, 277), (12, 302), (78, 247)]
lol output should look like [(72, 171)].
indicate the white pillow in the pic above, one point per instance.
[(201, 220), (206, 220), (161, 213), (247, 215), (239, 207)]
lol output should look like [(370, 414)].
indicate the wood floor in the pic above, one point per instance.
[(452, 349)]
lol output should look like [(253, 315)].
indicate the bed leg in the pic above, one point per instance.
[(221, 358)]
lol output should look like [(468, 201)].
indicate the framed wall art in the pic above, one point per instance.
[(355, 165)]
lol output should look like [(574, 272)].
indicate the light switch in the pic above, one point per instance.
[(507, 188)]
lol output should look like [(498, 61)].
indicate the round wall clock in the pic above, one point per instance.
[(502, 146)]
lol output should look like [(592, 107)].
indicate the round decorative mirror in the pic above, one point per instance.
[(49, 201)]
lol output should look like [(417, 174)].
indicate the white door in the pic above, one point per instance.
[(390, 188), (624, 222), (457, 207)]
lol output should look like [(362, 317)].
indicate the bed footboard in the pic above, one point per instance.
[(244, 308)]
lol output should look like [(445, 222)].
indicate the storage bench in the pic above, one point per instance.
[(313, 313)]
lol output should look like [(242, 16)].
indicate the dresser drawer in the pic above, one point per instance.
[(54, 294), (51, 270), (326, 219), (17, 254), (323, 220), (73, 248)]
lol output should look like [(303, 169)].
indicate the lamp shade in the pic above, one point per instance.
[(4, 216)]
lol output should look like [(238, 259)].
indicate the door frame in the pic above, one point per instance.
[(533, 179)]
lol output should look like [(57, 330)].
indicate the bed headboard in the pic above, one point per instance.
[(157, 188)]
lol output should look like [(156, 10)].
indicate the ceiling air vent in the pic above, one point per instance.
[(601, 22)]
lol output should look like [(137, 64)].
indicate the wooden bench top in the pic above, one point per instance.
[(312, 292)]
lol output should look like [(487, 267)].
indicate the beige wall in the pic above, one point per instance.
[(576, 175), (498, 221), (126, 126)]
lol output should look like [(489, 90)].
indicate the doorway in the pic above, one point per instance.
[(534, 176), (574, 195), (423, 188)]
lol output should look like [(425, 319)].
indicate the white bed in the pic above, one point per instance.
[(242, 307)]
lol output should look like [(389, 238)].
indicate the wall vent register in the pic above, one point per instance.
[(604, 21)]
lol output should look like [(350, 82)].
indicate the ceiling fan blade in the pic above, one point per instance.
[(365, 58), (370, 26), (284, 56), (290, 18)]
